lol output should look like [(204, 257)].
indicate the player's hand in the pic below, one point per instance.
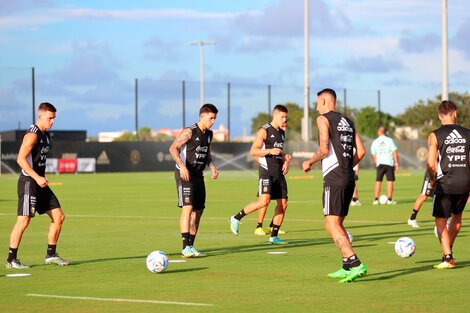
[(42, 181), (306, 166), (184, 173), (287, 158), (275, 151), (285, 168), (215, 173), (396, 166)]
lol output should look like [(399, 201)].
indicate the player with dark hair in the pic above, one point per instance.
[(191, 152), (385, 157), (338, 140), (273, 166), (34, 194), (449, 171)]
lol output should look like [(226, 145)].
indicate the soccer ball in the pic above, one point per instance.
[(435, 228), (383, 199), (157, 261), (350, 236), (405, 247)]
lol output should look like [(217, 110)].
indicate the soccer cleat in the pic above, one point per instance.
[(445, 265), (197, 254), (16, 263), (341, 273), (277, 241), (259, 231), (413, 223), (234, 224), (356, 203), (187, 252), (391, 202), (56, 259), (280, 232), (355, 273), (376, 202)]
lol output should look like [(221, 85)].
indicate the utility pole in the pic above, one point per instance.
[(445, 63), (201, 44), (306, 118)]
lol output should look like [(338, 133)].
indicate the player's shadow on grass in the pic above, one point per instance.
[(81, 262), (401, 272)]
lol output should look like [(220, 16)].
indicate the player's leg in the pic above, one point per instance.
[(16, 235), (390, 180), (454, 227), (416, 207), (442, 211), (259, 226), (279, 214), (378, 184), (57, 220), (185, 220)]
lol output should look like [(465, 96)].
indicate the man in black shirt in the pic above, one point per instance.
[(449, 170), (191, 152), (273, 166), (338, 141), (34, 194)]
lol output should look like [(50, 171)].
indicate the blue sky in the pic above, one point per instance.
[(87, 54)]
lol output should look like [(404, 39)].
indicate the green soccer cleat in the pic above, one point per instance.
[(355, 273), (259, 231), (55, 259), (234, 223), (197, 254), (277, 241), (187, 252), (341, 273)]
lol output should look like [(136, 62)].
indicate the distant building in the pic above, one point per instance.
[(110, 136), (406, 132)]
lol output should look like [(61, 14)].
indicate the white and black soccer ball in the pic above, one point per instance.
[(383, 199), (157, 261), (405, 247)]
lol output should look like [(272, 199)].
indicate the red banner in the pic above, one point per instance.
[(67, 165)]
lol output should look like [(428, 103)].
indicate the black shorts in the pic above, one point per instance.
[(32, 198), (444, 205), (274, 186), (388, 170), (192, 192), (426, 189), (336, 199)]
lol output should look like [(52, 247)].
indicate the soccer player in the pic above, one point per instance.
[(449, 170), (34, 194), (273, 166), (338, 137), (385, 156), (426, 191), (191, 152)]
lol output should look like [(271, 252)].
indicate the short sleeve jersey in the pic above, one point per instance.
[(382, 147), (196, 151), (272, 164), (337, 166), (453, 170), (38, 155)]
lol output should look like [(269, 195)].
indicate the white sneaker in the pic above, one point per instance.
[(355, 203), (391, 202), (413, 223), (376, 202)]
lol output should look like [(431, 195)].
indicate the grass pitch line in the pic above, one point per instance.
[(117, 300)]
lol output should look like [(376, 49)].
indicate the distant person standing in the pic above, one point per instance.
[(273, 166), (192, 153), (449, 170), (338, 139), (34, 194), (355, 199), (385, 157)]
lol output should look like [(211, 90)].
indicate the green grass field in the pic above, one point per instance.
[(114, 220)]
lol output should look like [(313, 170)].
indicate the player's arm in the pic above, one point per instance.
[(215, 172), (432, 159), (323, 149), (175, 147), (29, 140), (360, 150), (256, 148), (395, 159)]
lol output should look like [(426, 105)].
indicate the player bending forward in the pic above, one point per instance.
[(191, 152), (338, 139), (34, 194)]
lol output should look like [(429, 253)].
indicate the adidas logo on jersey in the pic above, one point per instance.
[(343, 125), (454, 137), (197, 138), (272, 136)]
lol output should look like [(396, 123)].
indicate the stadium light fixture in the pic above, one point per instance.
[(201, 44)]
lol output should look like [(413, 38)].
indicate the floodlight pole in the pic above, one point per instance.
[(445, 70), (201, 44), (305, 119)]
